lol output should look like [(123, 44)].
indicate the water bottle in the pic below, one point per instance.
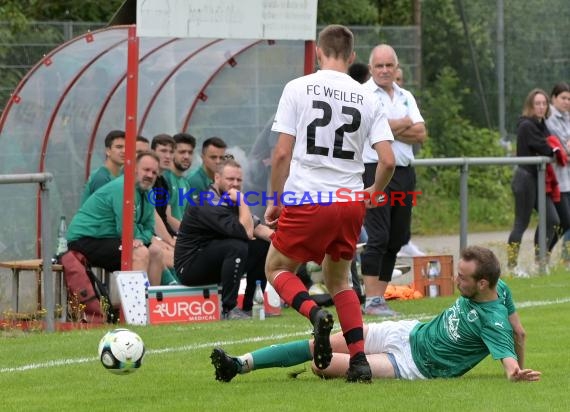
[(61, 239), (258, 310), (434, 269)]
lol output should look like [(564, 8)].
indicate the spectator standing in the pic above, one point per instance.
[(558, 123), (409, 249), (388, 226), (531, 141)]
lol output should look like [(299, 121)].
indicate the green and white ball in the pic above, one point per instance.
[(121, 351)]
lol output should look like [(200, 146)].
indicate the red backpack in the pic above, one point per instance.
[(87, 297)]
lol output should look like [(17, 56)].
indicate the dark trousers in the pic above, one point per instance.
[(224, 261), (524, 188), (100, 252), (563, 210), (255, 270), (388, 226)]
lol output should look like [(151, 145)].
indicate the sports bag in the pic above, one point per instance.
[(87, 297)]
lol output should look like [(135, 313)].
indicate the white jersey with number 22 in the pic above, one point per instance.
[(331, 117)]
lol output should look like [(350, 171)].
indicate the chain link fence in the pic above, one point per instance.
[(22, 47)]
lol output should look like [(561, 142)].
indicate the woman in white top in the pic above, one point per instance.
[(558, 124)]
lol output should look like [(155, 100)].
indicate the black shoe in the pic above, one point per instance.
[(359, 369), (323, 325), (226, 366)]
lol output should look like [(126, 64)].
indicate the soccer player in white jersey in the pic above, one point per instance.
[(324, 120)]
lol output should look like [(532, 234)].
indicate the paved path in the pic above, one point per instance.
[(496, 241)]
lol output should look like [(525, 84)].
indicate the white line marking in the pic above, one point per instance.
[(186, 348)]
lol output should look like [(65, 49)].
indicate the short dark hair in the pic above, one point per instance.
[(488, 266), (142, 139), (359, 72), (185, 138), (162, 139), (336, 41), (213, 141), (112, 136), (560, 88)]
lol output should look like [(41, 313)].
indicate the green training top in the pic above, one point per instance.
[(175, 184), (199, 181), (101, 216), (98, 178), (464, 334)]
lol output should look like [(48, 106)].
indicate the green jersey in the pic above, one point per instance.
[(101, 216), (175, 185), (199, 181), (464, 334), (98, 178)]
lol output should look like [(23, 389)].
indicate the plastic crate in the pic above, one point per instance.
[(442, 285)]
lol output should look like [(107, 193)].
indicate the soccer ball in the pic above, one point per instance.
[(121, 351)]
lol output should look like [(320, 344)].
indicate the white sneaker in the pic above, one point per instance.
[(396, 273), (318, 289), (518, 272), (410, 250)]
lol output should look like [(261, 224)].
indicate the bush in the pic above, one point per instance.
[(452, 135)]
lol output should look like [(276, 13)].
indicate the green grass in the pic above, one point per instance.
[(177, 375)]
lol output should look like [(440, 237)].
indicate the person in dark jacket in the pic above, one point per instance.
[(531, 141), (216, 241)]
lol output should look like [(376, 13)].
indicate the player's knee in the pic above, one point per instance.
[(140, 254), (155, 252)]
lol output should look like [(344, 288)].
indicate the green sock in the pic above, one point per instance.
[(282, 355), (168, 277)]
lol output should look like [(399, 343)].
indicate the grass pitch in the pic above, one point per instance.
[(61, 372)]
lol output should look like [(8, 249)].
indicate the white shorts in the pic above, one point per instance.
[(393, 338)]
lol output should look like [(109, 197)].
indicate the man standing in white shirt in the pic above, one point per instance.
[(388, 226), (324, 122)]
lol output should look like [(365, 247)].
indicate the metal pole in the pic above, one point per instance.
[(463, 196), (26, 178), (417, 18), (541, 219), (310, 56), (47, 250), (130, 143), (501, 69)]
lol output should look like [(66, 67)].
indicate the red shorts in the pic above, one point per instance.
[(308, 232)]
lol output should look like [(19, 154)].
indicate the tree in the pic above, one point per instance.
[(347, 12), (74, 10)]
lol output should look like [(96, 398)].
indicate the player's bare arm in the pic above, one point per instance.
[(245, 217), (384, 170), (519, 335), (161, 231), (515, 373), (172, 221)]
